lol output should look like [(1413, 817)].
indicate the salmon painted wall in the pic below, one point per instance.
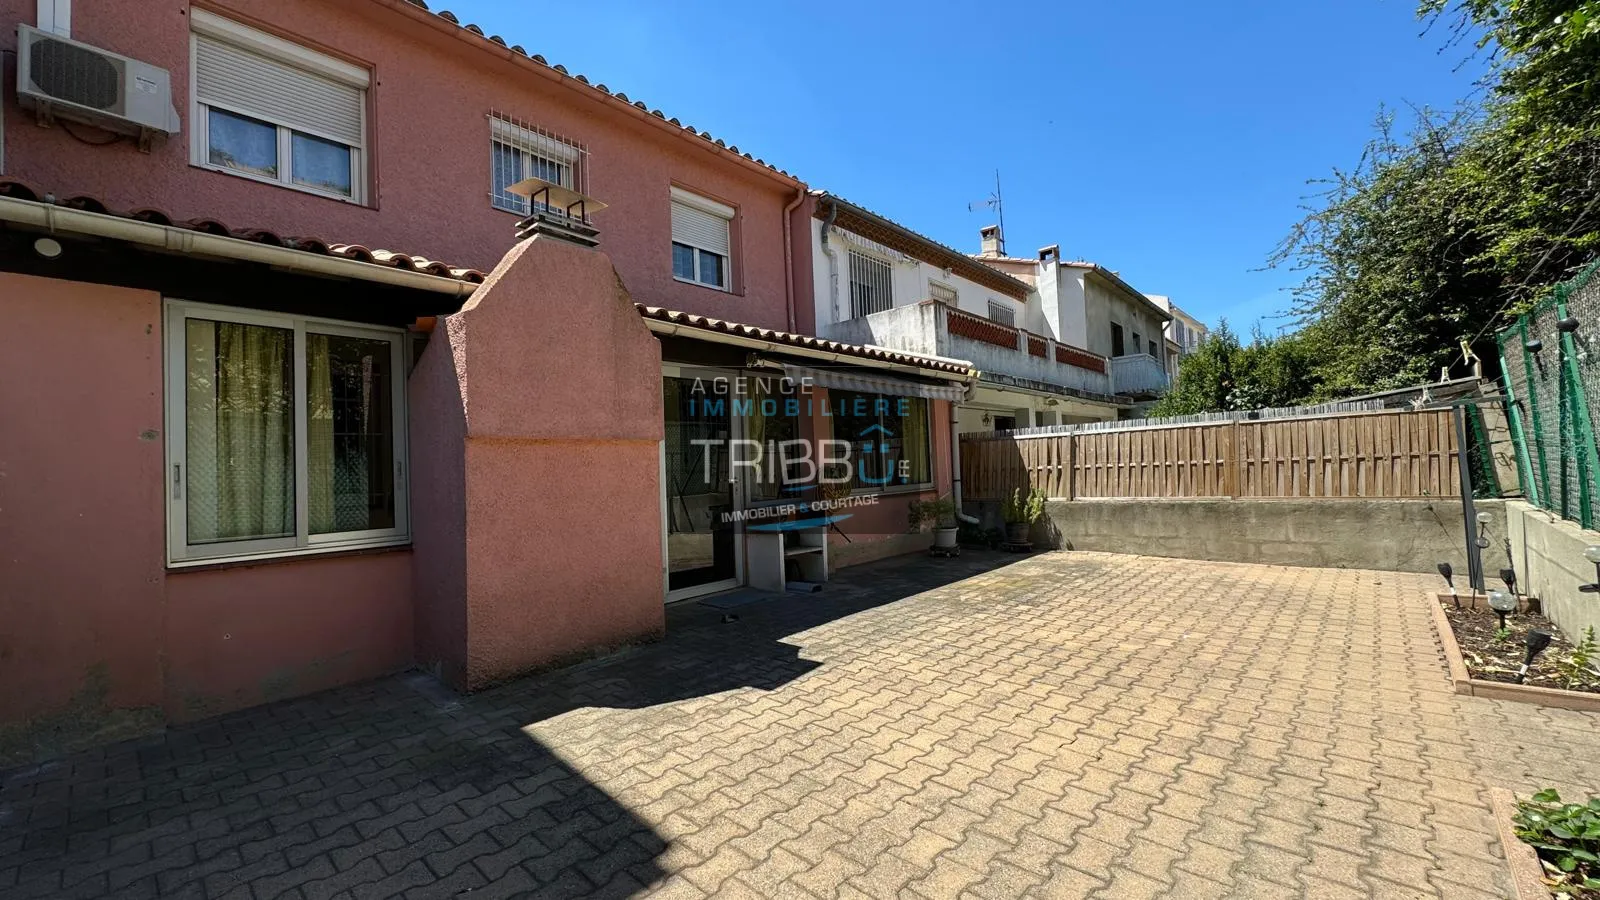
[(91, 621), (429, 129), (236, 637), (81, 523), (556, 451)]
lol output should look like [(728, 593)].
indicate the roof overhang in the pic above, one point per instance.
[(802, 347), (1116, 282), (858, 220), (52, 219)]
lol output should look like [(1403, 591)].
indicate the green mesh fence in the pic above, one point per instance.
[(1480, 454), (1550, 360)]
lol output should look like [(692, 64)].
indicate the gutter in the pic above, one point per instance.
[(955, 461), (54, 219)]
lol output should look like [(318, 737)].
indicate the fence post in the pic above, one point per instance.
[(1072, 466), (1581, 427), (1232, 461), (1519, 436), (1469, 514), (1538, 426)]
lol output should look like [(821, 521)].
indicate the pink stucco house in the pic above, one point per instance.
[(289, 404)]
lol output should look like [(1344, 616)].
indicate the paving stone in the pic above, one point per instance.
[(1054, 725)]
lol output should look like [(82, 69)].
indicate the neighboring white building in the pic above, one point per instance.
[(879, 283), (1090, 306), (1185, 331)]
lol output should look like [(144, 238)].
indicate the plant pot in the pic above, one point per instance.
[(944, 538), (1017, 532)]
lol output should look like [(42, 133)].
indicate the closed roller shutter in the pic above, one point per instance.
[(242, 81), (698, 228)]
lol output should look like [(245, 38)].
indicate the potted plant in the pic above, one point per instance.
[(1020, 512), (940, 514)]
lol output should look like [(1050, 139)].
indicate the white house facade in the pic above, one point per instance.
[(881, 284)]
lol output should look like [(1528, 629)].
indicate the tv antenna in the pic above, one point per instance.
[(993, 202)]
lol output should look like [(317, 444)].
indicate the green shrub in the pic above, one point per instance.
[(1567, 836)]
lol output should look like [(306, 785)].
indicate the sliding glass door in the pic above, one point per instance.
[(701, 545)]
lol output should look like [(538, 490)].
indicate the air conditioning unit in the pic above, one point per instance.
[(66, 79)]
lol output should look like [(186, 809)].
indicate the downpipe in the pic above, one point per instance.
[(955, 461)]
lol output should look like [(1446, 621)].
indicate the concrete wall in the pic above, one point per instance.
[(1548, 554), (434, 86), (1389, 535), (1105, 304), (923, 328)]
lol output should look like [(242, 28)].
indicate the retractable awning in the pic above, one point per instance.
[(869, 383)]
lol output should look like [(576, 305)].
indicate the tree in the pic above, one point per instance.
[(1224, 374)]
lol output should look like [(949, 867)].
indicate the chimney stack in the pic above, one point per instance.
[(993, 242)]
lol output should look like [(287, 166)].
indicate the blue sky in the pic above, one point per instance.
[(1171, 141)]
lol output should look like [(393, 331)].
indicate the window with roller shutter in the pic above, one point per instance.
[(271, 110), (702, 240)]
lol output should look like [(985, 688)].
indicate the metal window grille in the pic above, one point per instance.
[(519, 150), (871, 285), (1005, 315)]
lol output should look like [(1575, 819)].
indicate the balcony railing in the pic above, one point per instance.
[(1001, 352), (1139, 375)]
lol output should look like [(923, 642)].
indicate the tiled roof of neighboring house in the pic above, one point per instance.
[(808, 342), (18, 190), (886, 231), (604, 92), (1081, 264)]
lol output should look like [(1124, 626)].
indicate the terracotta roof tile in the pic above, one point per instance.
[(802, 340), (875, 226), (477, 32), (19, 190)]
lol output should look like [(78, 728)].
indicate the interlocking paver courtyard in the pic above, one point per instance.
[(1066, 725)]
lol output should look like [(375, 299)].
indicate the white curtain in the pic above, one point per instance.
[(320, 496), (240, 431)]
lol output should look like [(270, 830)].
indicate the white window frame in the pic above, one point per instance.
[(302, 543), (526, 141), (288, 53), (721, 211)]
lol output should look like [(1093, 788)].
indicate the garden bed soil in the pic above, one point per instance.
[(1490, 659)]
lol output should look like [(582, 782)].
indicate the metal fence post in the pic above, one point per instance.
[(1469, 511), (1581, 428)]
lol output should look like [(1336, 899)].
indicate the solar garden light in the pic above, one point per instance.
[(1567, 325), (1502, 603), (1509, 576), (1592, 554), (1448, 574), (1536, 641)]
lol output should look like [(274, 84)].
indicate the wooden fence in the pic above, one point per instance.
[(1376, 454)]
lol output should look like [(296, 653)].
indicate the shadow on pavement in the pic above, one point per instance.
[(400, 787)]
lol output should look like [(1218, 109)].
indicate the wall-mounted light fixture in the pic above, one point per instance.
[(47, 247), (1592, 554)]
